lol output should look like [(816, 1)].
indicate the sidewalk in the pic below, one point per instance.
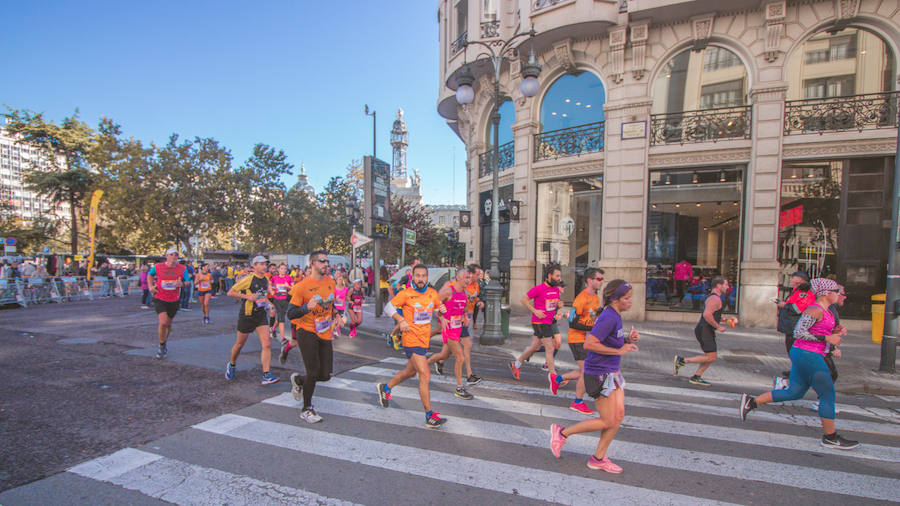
[(748, 358)]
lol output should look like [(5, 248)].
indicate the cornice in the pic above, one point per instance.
[(820, 149), (698, 157)]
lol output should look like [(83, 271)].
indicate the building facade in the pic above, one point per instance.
[(404, 186), (15, 160), (749, 141)]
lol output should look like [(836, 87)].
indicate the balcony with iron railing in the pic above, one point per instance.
[(538, 5), (506, 159), (571, 141), (709, 125), (838, 114), (457, 45)]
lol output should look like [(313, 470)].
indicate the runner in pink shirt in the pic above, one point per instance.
[(453, 322), (280, 284), (340, 297), (544, 304)]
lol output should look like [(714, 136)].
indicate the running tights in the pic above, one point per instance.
[(317, 359), (808, 369)]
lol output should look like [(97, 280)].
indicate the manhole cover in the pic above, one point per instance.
[(78, 340)]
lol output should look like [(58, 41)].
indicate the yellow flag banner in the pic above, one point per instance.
[(92, 227)]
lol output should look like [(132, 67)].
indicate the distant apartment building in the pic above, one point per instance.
[(15, 161)]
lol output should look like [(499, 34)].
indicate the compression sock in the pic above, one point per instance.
[(428, 413), (578, 401), (387, 389)]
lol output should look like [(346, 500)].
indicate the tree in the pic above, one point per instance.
[(61, 172), (428, 241), (332, 202), (266, 206), (29, 235)]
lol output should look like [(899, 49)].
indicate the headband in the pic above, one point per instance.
[(620, 291), (821, 286)]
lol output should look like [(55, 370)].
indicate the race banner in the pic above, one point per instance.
[(92, 226)]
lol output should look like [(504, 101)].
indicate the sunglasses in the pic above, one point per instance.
[(598, 279), (323, 260)]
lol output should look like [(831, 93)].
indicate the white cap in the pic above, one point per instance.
[(357, 280), (171, 251), (259, 258)]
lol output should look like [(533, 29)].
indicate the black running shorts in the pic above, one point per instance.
[(706, 336), (170, 308), (281, 307), (578, 351), (248, 324), (542, 330), (554, 328)]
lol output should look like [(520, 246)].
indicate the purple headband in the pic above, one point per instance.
[(620, 291)]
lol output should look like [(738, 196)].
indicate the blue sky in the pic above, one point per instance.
[(292, 74)]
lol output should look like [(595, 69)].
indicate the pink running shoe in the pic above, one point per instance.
[(581, 407), (353, 332), (557, 440), (603, 464), (554, 386)]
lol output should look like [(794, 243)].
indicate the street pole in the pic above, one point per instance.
[(493, 292), (376, 247), (403, 251), (889, 337)]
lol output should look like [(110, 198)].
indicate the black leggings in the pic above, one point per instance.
[(318, 357), (475, 315)]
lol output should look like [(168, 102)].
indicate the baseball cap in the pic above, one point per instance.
[(801, 274), (259, 258), (357, 280), (171, 251)]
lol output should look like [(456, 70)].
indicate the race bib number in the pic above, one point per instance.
[(262, 303), (422, 317), (282, 288), (356, 308), (322, 324), (551, 304), (168, 285), (204, 285), (455, 322)]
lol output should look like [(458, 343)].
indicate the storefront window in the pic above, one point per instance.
[(568, 228), (833, 223), (693, 234)]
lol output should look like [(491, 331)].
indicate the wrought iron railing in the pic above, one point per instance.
[(537, 5), (700, 126), (460, 42), (506, 160), (857, 112), (569, 141), (490, 29)]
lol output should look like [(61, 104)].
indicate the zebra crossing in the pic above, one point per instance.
[(677, 446)]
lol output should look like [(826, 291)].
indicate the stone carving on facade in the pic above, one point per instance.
[(584, 169), (639, 34), (881, 147), (701, 27), (564, 56), (846, 9), (775, 15), (617, 53), (702, 157)]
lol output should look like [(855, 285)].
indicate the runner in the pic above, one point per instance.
[(705, 332), (253, 290), (165, 280), (544, 312), (412, 309), (585, 309), (789, 312), (280, 285), (814, 332), (204, 285), (357, 297), (312, 313), (340, 297), (453, 323), (605, 344)]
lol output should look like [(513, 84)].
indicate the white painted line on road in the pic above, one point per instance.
[(182, 483), (495, 476), (674, 458)]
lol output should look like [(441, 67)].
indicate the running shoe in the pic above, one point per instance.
[(516, 372), (780, 383), (697, 380), (285, 348), (296, 385), (581, 407), (462, 394), (162, 352), (269, 378), (839, 442), (352, 332), (554, 386), (229, 371), (337, 331), (396, 341), (434, 421), (383, 397), (473, 380), (309, 415), (544, 366), (678, 363), (603, 464), (557, 440), (439, 368), (747, 405), (145, 307)]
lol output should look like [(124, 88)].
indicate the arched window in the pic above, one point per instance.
[(710, 79), (572, 100), (507, 120)]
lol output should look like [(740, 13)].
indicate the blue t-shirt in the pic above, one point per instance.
[(608, 330)]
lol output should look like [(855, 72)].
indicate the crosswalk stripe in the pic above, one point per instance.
[(718, 465), (666, 426), (183, 483), (496, 476), (670, 405)]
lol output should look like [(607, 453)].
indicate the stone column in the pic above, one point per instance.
[(625, 202), (521, 268), (474, 247), (760, 269)]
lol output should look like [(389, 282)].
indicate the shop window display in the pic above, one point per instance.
[(693, 234)]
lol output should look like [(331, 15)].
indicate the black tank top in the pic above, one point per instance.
[(717, 316)]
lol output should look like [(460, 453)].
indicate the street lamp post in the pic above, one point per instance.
[(892, 293), (492, 334), (353, 213)]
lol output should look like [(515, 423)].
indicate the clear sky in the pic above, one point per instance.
[(292, 74)]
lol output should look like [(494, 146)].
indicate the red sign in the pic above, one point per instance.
[(792, 216)]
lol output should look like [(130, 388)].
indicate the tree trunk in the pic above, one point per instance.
[(74, 226)]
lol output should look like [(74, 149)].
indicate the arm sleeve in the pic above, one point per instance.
[(801, 330), (152, 271), (293, 312), (579, 326)]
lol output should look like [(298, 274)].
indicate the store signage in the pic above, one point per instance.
[(465, 219), (792, 216), (634, 130), (505, 195)]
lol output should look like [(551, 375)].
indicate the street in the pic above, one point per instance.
[(89, 417)]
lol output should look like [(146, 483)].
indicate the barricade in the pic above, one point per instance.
[(39, 291), (11, 292), (72, 288)]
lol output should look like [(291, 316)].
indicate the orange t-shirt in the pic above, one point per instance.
[(204, 282), (588, 307), (417, 309), (472, 294), (319, 320)]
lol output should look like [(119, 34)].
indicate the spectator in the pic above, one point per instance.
[(145, 287), (103, 276), (683, 275)]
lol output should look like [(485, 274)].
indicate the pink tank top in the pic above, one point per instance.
[(456, 313), (823, 327), (340, 296)]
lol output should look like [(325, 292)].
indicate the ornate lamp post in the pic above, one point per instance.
[(492, 333), (351, 207)]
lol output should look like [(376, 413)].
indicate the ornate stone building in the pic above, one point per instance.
[(403, 186), (749, 140)]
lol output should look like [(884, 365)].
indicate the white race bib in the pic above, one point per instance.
[(204, 285), (551, 304), (455, 322), (422, 317), (323, 324), (168, 285), (282, 288)]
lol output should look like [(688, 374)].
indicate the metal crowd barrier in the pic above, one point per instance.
[(25, 291)]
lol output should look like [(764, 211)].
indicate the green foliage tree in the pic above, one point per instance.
[(265, 205), (428, 237), (61, 171)]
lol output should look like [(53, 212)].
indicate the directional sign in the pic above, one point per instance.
[(409, 236), (358, 240), (45, 250)]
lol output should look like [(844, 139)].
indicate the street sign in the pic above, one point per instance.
[(377, 197), (79, 258), (409, 236), (10, 241), (358, 240), (45, 250), (9, 249)]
